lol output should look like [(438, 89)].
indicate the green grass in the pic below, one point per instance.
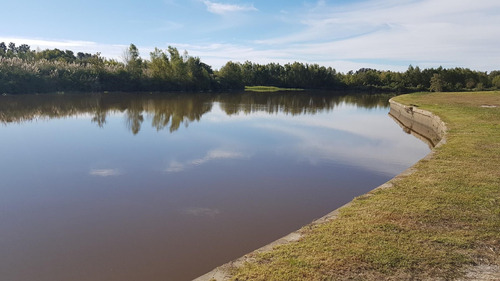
[(429, 225), (270, 89)]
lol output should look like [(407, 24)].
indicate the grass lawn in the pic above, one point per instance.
[(270, 89), (436, 223)]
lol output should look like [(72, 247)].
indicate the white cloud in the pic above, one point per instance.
[(440, 32), (112, 51), (222, 9), (51, 43)]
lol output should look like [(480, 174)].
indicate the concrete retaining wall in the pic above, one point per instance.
[(419, 122)]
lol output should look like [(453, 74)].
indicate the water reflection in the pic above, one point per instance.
[(211, 155), (104, 172), (146, 199), (172, 110)]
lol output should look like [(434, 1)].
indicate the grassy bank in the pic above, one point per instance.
[(436, 223)]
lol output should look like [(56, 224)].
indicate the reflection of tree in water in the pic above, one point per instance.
[(167, 111), (290, 103), (134, 119), (172, 110), (100, 117), (296, 103), (23, 108), (179, 109)]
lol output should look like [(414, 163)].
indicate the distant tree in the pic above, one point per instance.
[(170, 70), (231, 76), (3, 49), (248, 73), (414, 78), (199, 74), (159, 65), (83, 57), (368, 77), (70, 55), (178, 66), (24, 52), (470, 83), (24, 48), (12, 51), (56, 55), (496, 82), (436, 83), (133, 61)]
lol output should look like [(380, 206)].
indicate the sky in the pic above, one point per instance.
[(346, 35)]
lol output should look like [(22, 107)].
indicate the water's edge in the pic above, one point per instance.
[(422, 124)]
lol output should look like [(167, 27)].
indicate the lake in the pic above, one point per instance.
[(168, 186)]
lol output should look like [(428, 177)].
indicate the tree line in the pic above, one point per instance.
[(23, 70)]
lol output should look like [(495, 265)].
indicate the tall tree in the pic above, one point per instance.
[(3, 49), (12, 51), (133, 61), (436, 83), (231, 76)]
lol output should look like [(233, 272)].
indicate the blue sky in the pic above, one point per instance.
[(347, 35)]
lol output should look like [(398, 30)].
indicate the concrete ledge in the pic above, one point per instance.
[(421, 123)]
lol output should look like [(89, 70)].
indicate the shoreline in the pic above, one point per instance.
[(421, 123)]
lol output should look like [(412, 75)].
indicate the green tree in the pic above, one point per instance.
[(496, 82), (3, 49), (414, 78), (199, 74), (56, 55), (178, 64), (231, 76), (24, 52), (436, 83), (159, 66), (133, 61), (12, 50)]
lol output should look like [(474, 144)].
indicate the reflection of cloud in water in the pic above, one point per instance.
[(374, 150), (104, 172), (201, 212), (218, 154), (345, 135), (211, 155), (175, 167), (345, 117)]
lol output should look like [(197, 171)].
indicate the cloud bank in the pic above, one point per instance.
[(382, 34)]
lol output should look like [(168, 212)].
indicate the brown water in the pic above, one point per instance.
[(167, 187)]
